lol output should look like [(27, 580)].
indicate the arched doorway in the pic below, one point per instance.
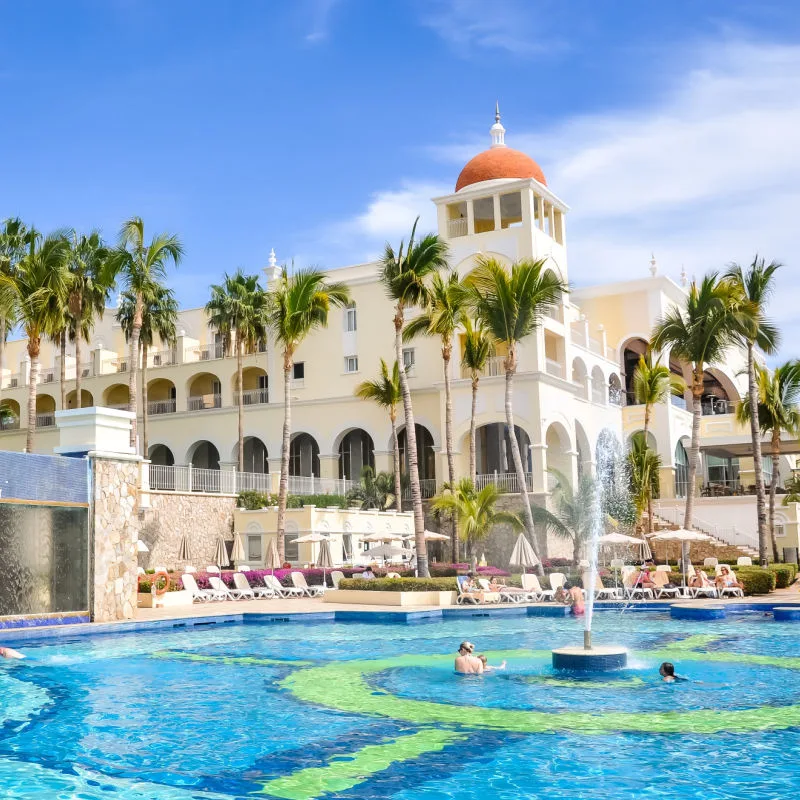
[(632, 351), (256, 458), (87, 401), (493, 449), (45, 411), (204, 455), (558, 452), (426, 457), (161, 455), (681, 470), (205, 391), (9, 415), (116, 396), (304, 456), (356, 451), (584, 449), (161, 396), (255, 383), (616, 397), (719, 394), (161, 477)]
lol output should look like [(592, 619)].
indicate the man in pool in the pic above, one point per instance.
[(8, 652), (667, 673), (467, 663)]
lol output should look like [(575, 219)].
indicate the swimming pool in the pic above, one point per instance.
[(357, 710)]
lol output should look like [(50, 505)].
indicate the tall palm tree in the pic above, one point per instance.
[(477, 349), (699, 333), (653, 383), (510, 304), (754, 286), (442, 316), (91, 286), (644, 466), (159, 321), (475, 511), (778, 398), (385, 392), (406, 276), (13, 238), (296, 306), (39, 287), (238, 308), (139, 265)]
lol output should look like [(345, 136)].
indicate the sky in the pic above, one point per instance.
[(322, 128)]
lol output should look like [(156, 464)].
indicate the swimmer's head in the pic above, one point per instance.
[(667, 670), (482, 658), (466, 647)]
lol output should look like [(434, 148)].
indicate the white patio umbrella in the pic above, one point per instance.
[(433, 536), (324, 559), (523, 555), (385, 551), (272, 561), (383, 537), (623, 540), (312, 537), (184, 552), (238, 553), (683, 536), (221, 553)]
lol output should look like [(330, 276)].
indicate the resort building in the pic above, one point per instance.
[(572, 388)]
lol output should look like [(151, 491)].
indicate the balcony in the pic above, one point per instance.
[(87, 369), (504, 481), (161, 358), (252, 397), (12, 381), (554, 312), (427, 487), (204, 352), (713, 407), (47, 375), (495, 367), (554, 368), (203, 402), (9, 423), (180, 478), (457, 227), (616, 397), (111, 365), (156, 407), (46, 420), (310, 484)]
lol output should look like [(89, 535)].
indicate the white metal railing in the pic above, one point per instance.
[(302, 484), (161, 406), (504, 481), (186, 478), (457, 227), (46, 420), (204, 352), (554, 312), (161, 358), (427, 487), (554, 368), (111, 365), (9, 423), (202, 402), (495, 366), (252, 397)]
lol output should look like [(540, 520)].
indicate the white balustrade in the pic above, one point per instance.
[(203, 402), (504, 481), (456, 227), (156, 407), (252, 397), (554, 368)]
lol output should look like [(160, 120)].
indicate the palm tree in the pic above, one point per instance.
[(509, 305), (574, 516), (644, 466), (405, 275), (385, 392), (652, 384), (477, 349), (374, 491), (13, 238), (159, 320), (778, 397), (442, 316), (39, 289), (699, 333), (238, 308), (296, 306), (475, 511), (754, 286), (91, 285), (140, 265)]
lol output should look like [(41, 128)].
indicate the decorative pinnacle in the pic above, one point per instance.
[(273, 262), (497, 111), (653, 264), (684, 276)]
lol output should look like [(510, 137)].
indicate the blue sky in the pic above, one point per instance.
[(322, 127)]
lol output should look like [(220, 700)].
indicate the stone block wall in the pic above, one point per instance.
[(202, 518), (114, 533)]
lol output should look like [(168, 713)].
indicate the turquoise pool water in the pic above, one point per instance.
[(350, 710)]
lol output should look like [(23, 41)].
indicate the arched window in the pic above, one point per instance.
[(681, 470)]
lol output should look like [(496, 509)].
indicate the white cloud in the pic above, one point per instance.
[(320, 15)]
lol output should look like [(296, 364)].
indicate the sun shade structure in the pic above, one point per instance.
[(683, 536), (221, 553), (523, 554), (324, 559), (385, 551), (272, 560), (238, 553), (184, 552)]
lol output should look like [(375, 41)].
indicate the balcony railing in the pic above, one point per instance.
[(156, 407), (47, 375), (427, 487), (252, 397), (204, 352), (9, 423), (616, 396), (715, 406), (578, 334), (180, 478), (161, 358), (12, 381), (554, 368), (504, 481), (112, 365), (554, 312), (203, 402), (302, 484), (87, 369), (456, 227), (46, 420), (495, 366)]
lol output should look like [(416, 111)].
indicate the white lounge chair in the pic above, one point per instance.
[(213, 569), (530, 583), (220, 590), (489, 595), (190, 584), (744, 561), (190, 568), (600, 592), (465, 597), (631, 590), (557, 580), (271, 582), (696, 591), (336, 576), (661, 579), (242, 589), (663, 568), (299, 582)]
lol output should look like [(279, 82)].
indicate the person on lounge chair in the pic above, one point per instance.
[(368, 574), (727, 579), (466, 662), (700, 580)]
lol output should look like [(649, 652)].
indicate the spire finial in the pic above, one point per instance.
[(273, 262), (497, 111), (653, 264), (497, 131), (684, 276)]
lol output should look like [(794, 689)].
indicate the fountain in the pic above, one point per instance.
[(590, 658)]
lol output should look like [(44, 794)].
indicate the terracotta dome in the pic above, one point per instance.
[(499, 162)]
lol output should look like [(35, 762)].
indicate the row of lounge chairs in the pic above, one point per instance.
[(242, 590)]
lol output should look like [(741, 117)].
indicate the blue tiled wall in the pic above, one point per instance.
[(30, 476)]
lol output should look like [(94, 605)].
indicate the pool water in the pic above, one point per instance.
[(351, 710)]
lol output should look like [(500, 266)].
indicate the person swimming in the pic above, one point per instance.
[(467, 663), (667, 673), (8, 652), (486, 666)]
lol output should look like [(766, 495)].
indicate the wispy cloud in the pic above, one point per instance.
[(320, 12)]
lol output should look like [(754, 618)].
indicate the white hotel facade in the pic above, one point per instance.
[(573, 381)]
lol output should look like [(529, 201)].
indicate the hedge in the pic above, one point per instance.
[(756, 580), (784, 574), (401, 584)]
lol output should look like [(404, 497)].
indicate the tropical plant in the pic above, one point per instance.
[(477, 350), (159, 321), (574, 515), (238, 309), (475, 510), (296, 306), (406, 276), (13, 239), (778, 398), (39, 289), (510, 304), (644, 466), (699, 333), (90, 287), (139, 266), (792, 486), (385, 392), (753, 287), (374, 490)]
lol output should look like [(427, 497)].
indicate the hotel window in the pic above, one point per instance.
[(254, 547), (351, 364), (299, 370), (350, 320), (409, 359), (291, 548)]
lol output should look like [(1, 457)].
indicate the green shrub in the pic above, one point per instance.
[(319, 500), (784, 574), (401, 584), (253, 501), (756, 580)]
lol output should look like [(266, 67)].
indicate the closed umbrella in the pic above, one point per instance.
[(221, 553), (324, 559), (184, 553), (272, 561), (238, 553), (523, 555)]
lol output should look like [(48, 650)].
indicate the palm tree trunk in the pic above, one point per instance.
[(411, 450), (78, 372), (773, 485), (283, 486), (694, 449), (755, 438), (240, 403), (398, 487), (145, 438), (3, 324), (647, 411), (473, 455), (63, 367), (133, 356), (511, 368), (448, 436), (33, 379)]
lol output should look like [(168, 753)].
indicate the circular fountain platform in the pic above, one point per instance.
[(597, 659)]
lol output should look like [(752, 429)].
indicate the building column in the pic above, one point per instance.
[(470, 218), (539, 468), (497, 219), (329, 466)]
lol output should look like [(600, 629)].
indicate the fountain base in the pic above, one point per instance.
[(595, 659)]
